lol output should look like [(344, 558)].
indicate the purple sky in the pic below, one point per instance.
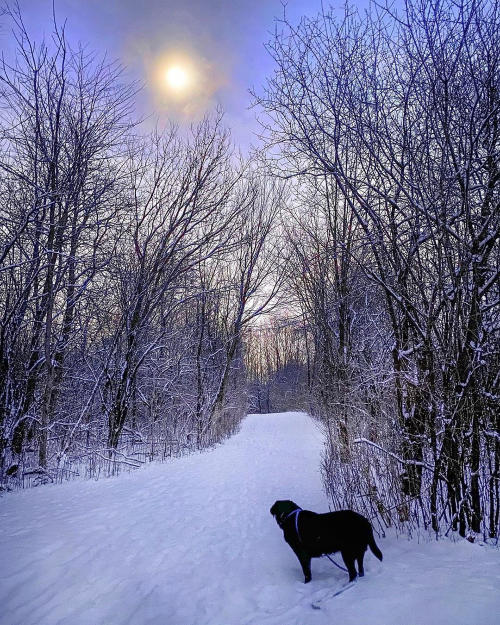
[(224, 38)]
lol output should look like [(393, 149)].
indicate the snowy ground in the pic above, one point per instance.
[(191, 542)]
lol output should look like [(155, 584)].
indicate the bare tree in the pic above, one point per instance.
[(253, 274), (181, 213)]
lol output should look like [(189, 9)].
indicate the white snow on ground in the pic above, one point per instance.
[(191, 542)]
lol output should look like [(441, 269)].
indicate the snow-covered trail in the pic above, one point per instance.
[(191, 542)]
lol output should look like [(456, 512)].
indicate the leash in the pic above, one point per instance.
[(342, 568), (297, 512)]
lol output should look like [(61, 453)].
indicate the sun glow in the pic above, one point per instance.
[(176, 77), (183, 83)]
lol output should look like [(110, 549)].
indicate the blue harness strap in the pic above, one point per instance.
[(297, 523), (296, 512)]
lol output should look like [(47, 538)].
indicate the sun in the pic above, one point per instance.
[(177, 78)]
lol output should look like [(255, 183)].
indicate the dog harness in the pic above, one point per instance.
[(296, 512)]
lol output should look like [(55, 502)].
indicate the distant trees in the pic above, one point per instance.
[(254, 271), (395, 118), (129, 268), (277, 357)]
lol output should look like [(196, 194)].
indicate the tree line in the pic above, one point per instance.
[(130, 267), (388, 125)]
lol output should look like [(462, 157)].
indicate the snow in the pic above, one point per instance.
[(191, 542)]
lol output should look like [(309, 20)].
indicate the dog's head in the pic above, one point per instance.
[(281, 509)]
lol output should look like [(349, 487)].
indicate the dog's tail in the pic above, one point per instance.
[(373, 545)]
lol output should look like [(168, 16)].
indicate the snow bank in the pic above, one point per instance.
[(191, 542)]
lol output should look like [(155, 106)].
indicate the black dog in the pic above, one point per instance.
[(311, 535)]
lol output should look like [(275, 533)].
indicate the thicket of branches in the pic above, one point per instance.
[(389, 125), (133, 268), (129, 269)]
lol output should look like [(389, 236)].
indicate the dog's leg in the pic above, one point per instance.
[(305, 562), (361, 570), (349, 562)]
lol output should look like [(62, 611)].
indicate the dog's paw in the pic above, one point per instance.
[(307, 580)]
